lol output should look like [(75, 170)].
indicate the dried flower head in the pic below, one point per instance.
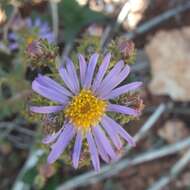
[(41, 52), (126, 47)]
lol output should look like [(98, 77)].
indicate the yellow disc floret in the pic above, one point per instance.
[(30, 39), (85, 109)]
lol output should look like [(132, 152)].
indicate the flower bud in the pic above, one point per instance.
[(34, 50)]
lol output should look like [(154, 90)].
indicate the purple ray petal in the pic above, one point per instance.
[(45, 27), (111, 132), (90, 70), (67, 79), (99, 133), (93, 151), (107, 88), (29, 22), (101, 72), (122, 109), (48, 82), (12, 36), (49, 93), (77, 149), (48, 36), (83, 66), (59, 146), (72, 72), (13, 46), (122, 90), (37, 22), (46, 109), (110, 77), (101, 150), (51, 138), (118, 129)]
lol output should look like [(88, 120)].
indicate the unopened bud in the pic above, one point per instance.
[(34, 50), (41, 52), (126, 47)]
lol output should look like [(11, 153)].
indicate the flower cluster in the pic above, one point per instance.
[(39, 30), (85, 99), (30, 31)]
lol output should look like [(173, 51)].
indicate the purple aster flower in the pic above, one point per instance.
[(12, 38), (85, 101), (12, 44), (43, 29)]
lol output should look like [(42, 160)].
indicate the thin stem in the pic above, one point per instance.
[(30, 163), (55, 18), (173, 173), (124, 12)]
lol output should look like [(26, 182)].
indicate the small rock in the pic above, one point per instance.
[(174, 131), (169, 56)]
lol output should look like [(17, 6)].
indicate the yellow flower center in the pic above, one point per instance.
[(85, 110), (30, 39)]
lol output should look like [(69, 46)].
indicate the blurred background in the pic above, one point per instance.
[(160, 31)]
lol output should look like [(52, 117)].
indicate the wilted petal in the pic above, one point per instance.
[(62, 142), (77, 149), (93, 151)]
